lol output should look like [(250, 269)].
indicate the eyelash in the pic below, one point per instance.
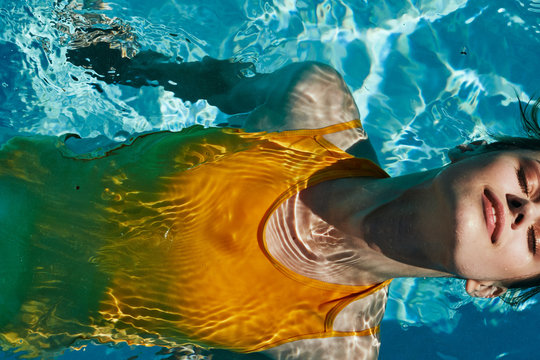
[(522, 180), (531, 239), (531, 233)]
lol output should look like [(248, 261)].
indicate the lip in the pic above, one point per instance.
[(492, 204)]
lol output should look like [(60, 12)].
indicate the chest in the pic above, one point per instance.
[(306, 244)]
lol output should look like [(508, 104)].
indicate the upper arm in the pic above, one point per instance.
[(335, 348)]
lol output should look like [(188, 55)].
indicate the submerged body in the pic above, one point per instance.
[(162, 241)]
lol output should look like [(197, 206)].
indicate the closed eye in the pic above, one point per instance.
[(522, 180), (531, 240)]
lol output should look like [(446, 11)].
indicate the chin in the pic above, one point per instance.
[(469, 240)]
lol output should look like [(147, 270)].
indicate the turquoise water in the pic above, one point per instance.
[(427, 75)]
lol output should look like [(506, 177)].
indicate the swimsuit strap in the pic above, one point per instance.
[(353, 124)]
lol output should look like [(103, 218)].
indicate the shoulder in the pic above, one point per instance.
[(366, 312), (308, 95), (360, 315)]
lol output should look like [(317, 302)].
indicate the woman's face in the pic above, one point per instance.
[(494, 200)]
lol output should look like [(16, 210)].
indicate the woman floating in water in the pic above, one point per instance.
[(280, 237)]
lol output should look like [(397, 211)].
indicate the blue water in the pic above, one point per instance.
[(427, 75)]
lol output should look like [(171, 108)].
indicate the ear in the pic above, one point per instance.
[(484, 289), (464, 151)]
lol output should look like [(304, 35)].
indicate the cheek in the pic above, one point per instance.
[(476, 258), (513, 255), (470, 258)]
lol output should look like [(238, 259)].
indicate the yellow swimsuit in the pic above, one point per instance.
[(162, 241)]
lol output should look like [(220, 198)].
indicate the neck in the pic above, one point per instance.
[(394, 218)]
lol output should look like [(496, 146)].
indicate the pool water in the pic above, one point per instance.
[(426, 75)]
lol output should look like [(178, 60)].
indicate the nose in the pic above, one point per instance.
[(523, 211)]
